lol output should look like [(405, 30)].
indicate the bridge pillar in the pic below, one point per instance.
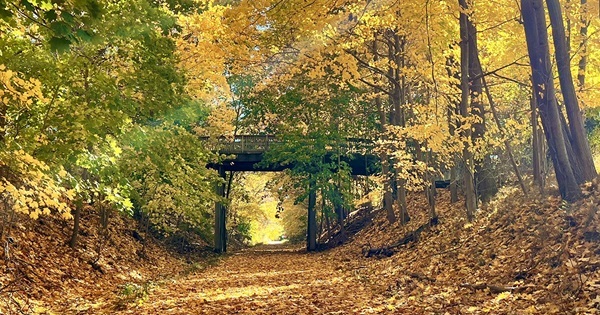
[(220, 215), (311, 244)]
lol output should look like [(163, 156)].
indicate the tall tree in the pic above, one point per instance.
[(467, 156), (485, 181), (583, 162), (583, 31), (534, 23)]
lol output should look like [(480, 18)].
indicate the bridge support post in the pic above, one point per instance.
[(312, 218), (220, 216)]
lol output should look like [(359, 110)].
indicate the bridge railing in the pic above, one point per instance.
[(256, 144), (249, 144)]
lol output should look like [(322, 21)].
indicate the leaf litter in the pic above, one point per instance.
[(521, 256)]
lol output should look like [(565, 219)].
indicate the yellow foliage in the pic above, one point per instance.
[(219, 123), (18, 92), (30, 188)]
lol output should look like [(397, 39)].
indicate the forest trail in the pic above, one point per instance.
[(265, 280)]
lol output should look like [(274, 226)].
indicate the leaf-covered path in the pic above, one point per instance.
[(264, 281)]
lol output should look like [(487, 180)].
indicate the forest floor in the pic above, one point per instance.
[(523, 255), (266, 280)]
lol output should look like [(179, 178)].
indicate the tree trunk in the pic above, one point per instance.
[(325, 220), (399, 100), (583, 31), (76, 222), (453, 184), (311, 243), (339, 209), (583, 155), (451, 111), (496, 117), (538, 151), (469, 188), (323, 216), (543, 85), (385, 165), (484, 176), (430, 191), (85, 175), (385, 171)]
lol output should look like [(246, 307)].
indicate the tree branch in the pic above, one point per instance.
[(380, 89), (516, 62)]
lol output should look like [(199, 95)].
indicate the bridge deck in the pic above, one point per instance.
[(245, 152)]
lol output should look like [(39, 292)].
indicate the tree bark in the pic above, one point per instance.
[(484, 176), (397, 56), (536, 34), (430, 191), (76, 223), (452, 110), (469, 188), (538, 150), (85, 175), (586, 170), (507, 144), (583, 31), (385, 165), (311, 244)]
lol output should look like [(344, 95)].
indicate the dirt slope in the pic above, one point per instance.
[(521, 256), (40, 274)]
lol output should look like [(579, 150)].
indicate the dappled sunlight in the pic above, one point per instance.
[(259, 291), (237, 277), (241, 292), (249, 283)]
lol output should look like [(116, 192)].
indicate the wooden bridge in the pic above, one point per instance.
[(246, 152)]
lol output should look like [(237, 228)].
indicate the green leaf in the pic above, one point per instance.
[(67, 17), (28, 5), (60, 28), (4, 13), (51, 15), (94, 8), (59, 44), (84, 35)]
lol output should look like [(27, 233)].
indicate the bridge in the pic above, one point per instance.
[(246, 152)]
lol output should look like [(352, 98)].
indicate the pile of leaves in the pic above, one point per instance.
[(39, 271), (525, 255)]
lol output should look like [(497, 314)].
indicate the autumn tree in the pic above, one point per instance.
[(124, 74), (566, 143), (577, 135), (467, 155)]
